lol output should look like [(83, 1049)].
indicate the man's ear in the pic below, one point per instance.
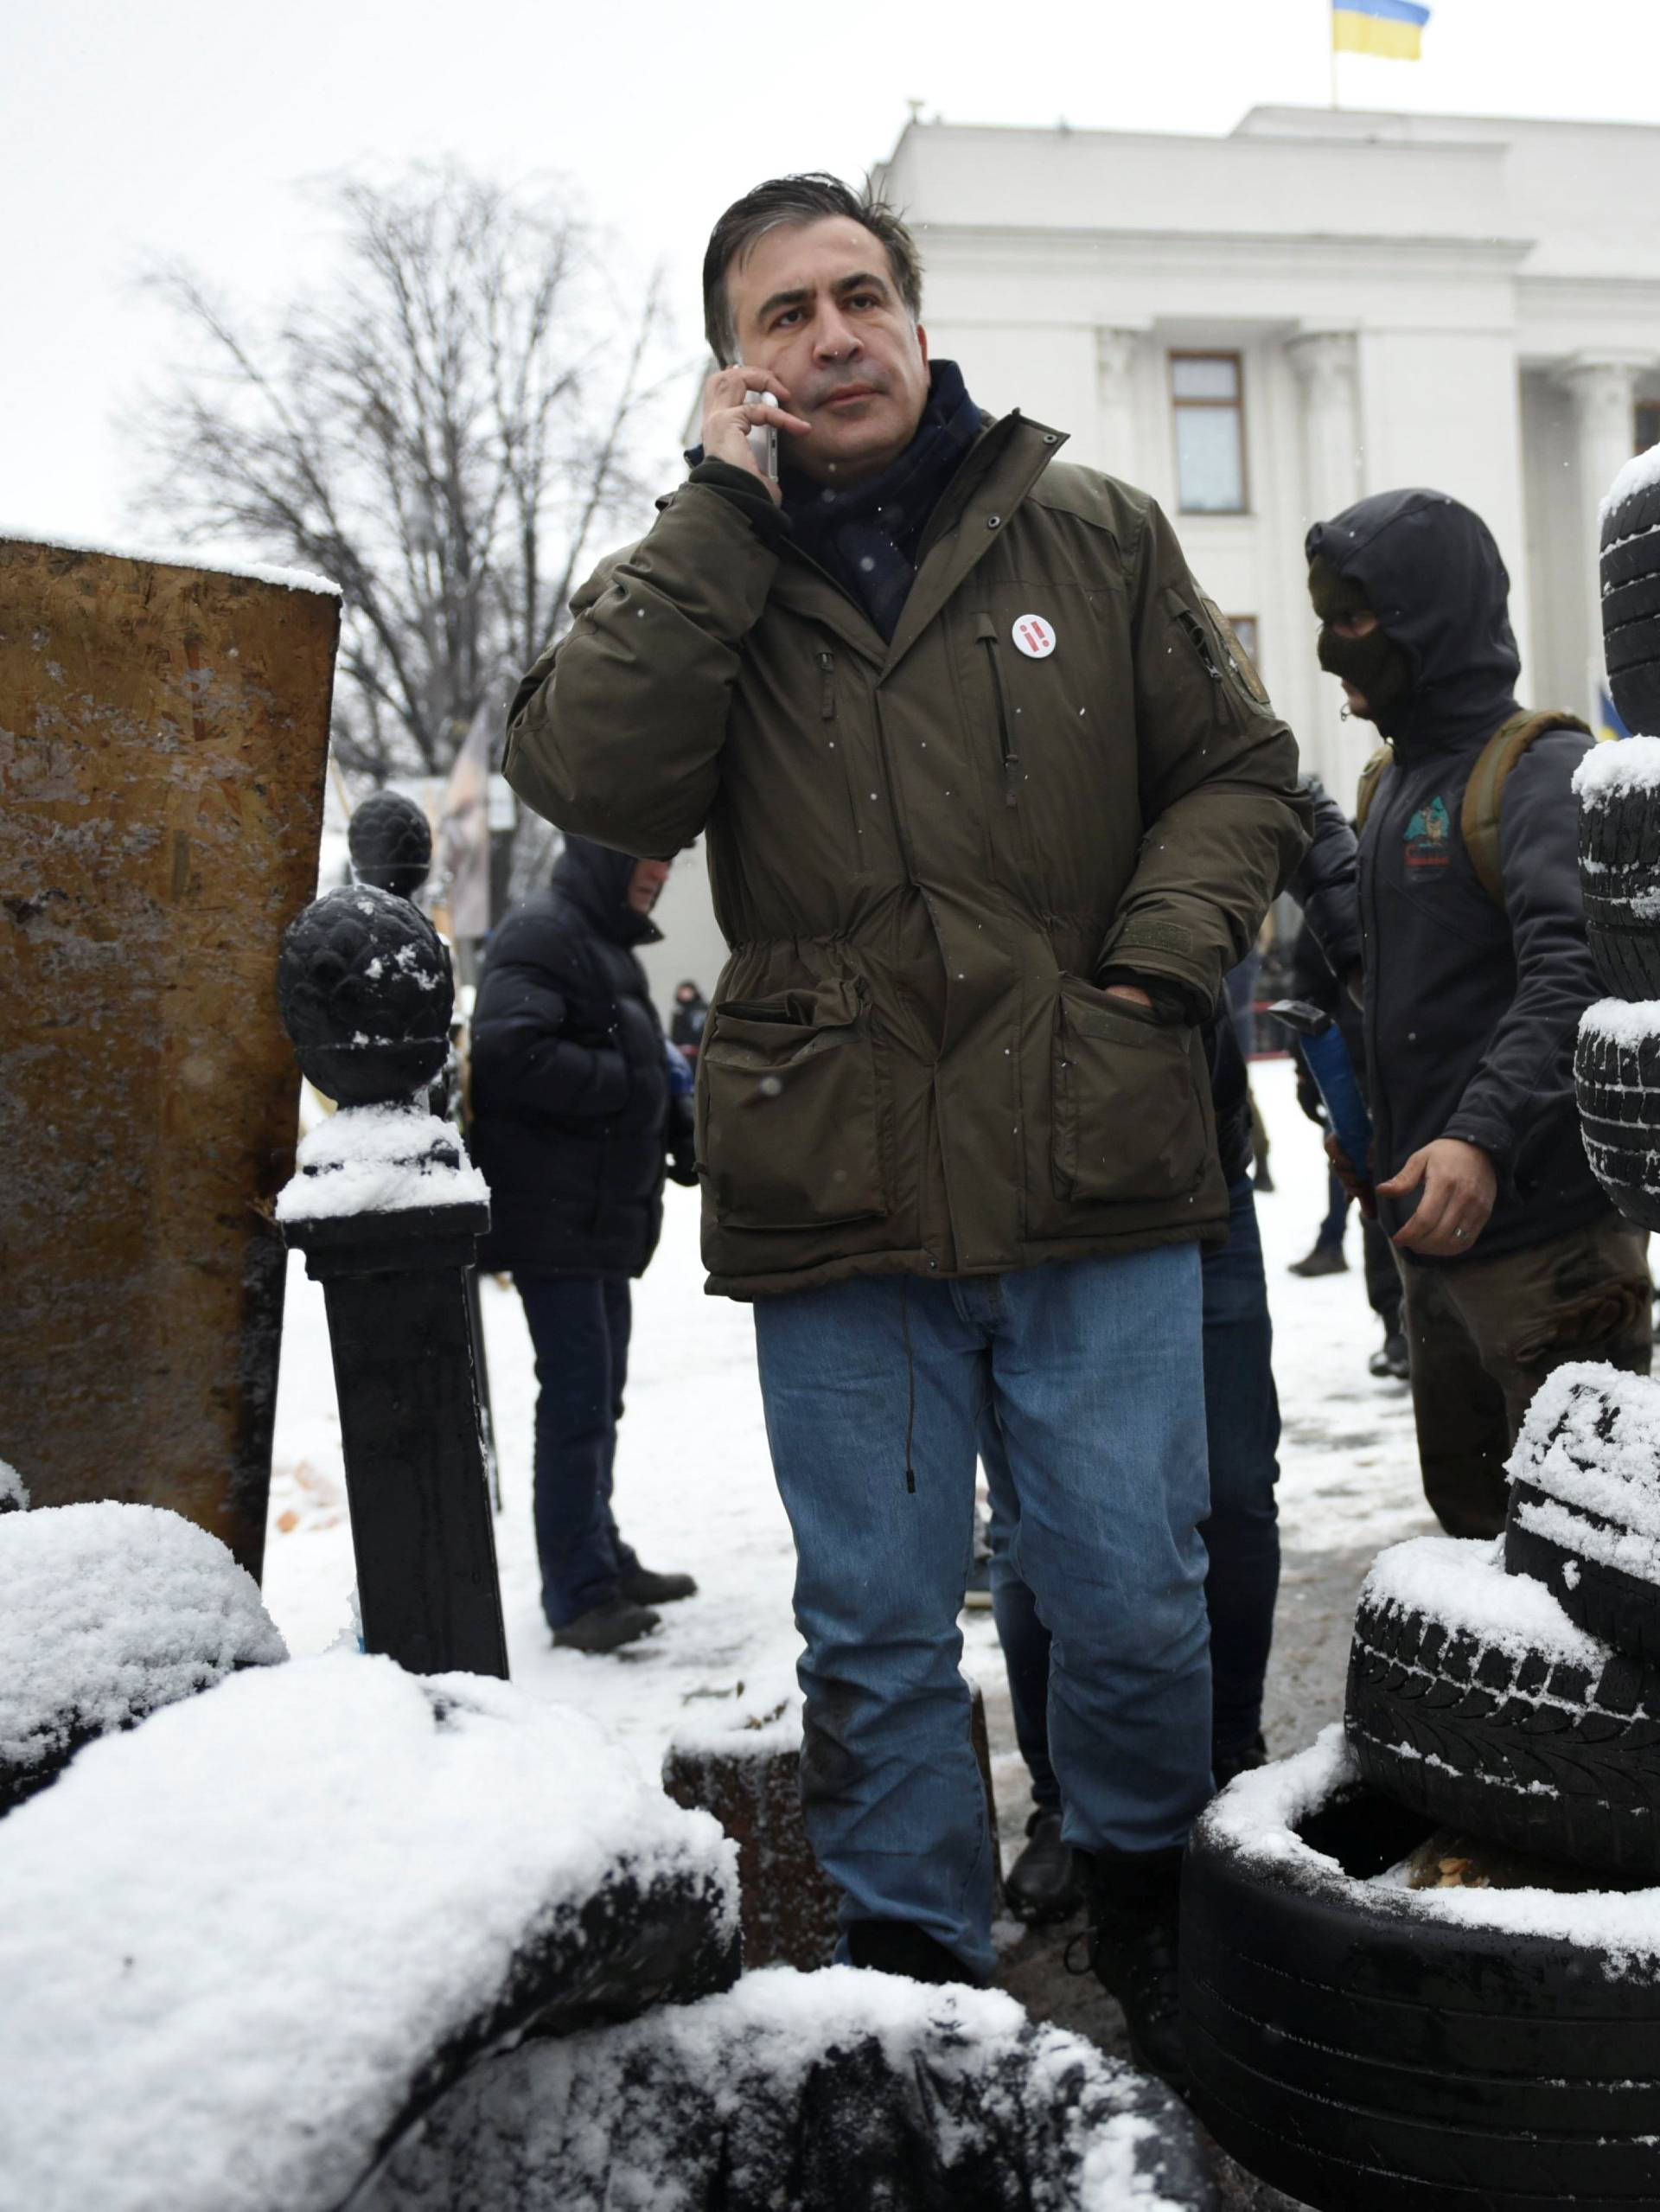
[(922, 340)]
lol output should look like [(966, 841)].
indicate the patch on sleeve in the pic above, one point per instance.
[(1238, 664), (1157, 937)]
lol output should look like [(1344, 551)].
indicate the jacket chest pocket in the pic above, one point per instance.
[(1129, 1124), (788, 1129)]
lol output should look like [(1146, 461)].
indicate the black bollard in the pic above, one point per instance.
[(387, 1212), (390, 845)]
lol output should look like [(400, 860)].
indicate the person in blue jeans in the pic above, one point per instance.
[(1241, 1540)]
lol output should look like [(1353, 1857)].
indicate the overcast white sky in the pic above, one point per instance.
[(181, 127)]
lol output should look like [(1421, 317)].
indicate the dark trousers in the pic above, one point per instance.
[(1483, 1335), (1382, 1276), (579, 1324), (1241, 1534)]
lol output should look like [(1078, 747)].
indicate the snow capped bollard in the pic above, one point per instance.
[(387, 1209)]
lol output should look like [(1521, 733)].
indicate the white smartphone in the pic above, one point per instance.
[(763, 437)]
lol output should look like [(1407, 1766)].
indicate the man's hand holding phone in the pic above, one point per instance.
[(731, 411)]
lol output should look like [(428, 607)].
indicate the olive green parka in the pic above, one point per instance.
[(924, 854)]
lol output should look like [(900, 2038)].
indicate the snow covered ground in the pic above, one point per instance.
[(695, 1490)]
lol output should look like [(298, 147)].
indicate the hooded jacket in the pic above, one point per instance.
[(1470, 1012), (927, 853), (570, 1084)]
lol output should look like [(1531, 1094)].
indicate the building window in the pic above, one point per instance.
[(1244, 629), (1648, 424), (1208, 397)]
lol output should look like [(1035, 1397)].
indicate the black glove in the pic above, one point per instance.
[(682, 1143), (1308, 1094)]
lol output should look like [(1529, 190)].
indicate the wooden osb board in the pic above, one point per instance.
[(164, 734)]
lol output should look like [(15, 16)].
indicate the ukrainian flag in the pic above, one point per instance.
[(1392, 27)]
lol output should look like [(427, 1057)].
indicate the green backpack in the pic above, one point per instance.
[(1483, 794)]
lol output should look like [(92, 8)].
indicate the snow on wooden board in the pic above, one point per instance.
[(288, 580), (110, 1612), (251, 1922)]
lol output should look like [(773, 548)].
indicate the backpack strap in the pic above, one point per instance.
[(1480, 815), (1370, 777)]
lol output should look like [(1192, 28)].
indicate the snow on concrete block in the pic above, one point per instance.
[(861, 2088), (266, 1928), (746, 1768), (111, 1612)]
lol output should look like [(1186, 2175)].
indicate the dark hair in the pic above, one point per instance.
[(797, 200)]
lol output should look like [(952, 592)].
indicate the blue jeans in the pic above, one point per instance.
[(1241, 1534), (875, 1390), (579, 1324)]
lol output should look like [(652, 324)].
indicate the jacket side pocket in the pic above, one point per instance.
[(1129, 1124), (788, 1128)]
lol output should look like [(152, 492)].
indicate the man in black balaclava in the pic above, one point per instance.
[(1511, 1259)]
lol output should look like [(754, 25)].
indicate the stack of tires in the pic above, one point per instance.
[(1421, 1961)]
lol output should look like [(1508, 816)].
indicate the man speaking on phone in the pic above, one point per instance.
[(993, 801)]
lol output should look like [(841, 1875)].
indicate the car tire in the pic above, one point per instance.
[(1619, 878), (1631, 606), (1542, 1738), (1371, 2049), (1617, 1082), (1584, 1515)]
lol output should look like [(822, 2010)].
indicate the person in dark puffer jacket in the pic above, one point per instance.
[(575, 1129)]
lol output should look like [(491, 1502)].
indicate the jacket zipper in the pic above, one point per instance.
[(1199, 638), (985, 634), (828, 692)]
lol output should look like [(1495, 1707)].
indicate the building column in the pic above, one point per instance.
[(1604, 392), (1116, 351), (1325, 362)]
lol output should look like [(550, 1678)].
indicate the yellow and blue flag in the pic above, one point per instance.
[(1394, 28), (1610, 723)]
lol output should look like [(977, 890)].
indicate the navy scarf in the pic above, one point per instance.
[(867, 536)]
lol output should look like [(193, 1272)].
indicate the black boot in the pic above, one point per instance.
[(643, 1588), (895, 1946), (1134, 1902), (606, 1627), (1042, 1884)]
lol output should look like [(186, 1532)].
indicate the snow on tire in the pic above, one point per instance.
[(1363, 2045), (1617, 1082), (1473, 1698), (1631, 591), (1584, 1515), (1619, 790), (111, 1611), (824, 2092)]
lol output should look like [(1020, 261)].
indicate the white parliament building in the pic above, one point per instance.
[(1260, 329)]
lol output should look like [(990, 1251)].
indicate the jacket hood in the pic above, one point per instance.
[(1433, 575), (597, 879)]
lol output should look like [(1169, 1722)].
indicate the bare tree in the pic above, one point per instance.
[(446, 433)]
